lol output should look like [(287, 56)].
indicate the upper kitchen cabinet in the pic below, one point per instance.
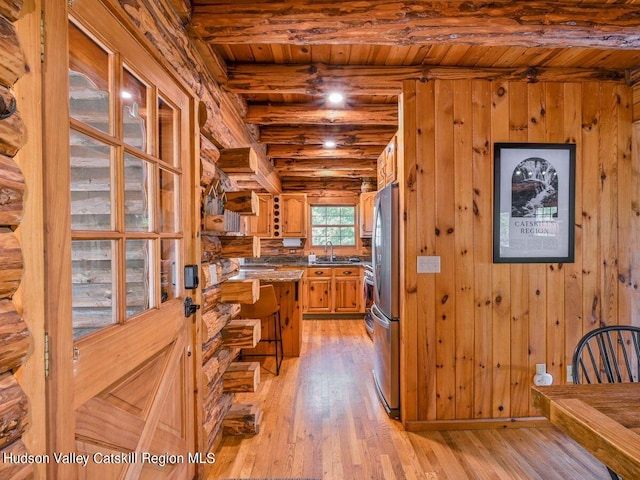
[(262, 224), (387, 163), (367, 200), (290, 215)]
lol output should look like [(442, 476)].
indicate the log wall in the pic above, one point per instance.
[(216, 356), (14, 334), (474, 332)]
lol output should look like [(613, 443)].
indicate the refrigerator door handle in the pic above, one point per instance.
[(379, 317)]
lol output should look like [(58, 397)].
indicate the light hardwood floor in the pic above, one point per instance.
[(322, 419)]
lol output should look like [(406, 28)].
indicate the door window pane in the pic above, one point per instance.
[(169, 201), (134, 111), (137, 194), (91, 183), (92, 282), (139, 255), (166, 132), (125, 183), (89, 99), (169, 267)]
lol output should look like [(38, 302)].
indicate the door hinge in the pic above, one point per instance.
[(46, 355), (42, 38)]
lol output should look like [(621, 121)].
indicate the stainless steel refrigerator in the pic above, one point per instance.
[(386, 304)]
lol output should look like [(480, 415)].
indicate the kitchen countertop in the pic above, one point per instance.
[(273, 276), (302, 262), (337, 264), (259, 266)]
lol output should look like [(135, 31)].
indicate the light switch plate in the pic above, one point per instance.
[(429, 264)]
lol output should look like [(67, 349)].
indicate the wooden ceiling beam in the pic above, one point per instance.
[(246, 164), (213, 61), (320, 185), (182, 9), (303, 113), (341, 134), (370, 152), (287, 166), (352, 174), (526, 23), (318, 79)]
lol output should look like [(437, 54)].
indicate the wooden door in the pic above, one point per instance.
[(294, 211), (367, 201), (382, 169), (121, 383), (261, 223), (391, 161), (319, 290), (347, 292), (387, 163)]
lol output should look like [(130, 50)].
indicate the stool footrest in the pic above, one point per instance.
[(279, 348)]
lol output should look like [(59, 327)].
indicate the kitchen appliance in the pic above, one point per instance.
[(386, 298), (367, 296)]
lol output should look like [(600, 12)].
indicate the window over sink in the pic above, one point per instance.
[(333, 223)]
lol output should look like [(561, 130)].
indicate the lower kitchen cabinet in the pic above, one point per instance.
[(318, 290), (347, 290), (333, 290)]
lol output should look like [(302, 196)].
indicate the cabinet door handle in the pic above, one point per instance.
[(347, 272), (318, 272)]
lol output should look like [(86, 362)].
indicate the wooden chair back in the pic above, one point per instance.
[(266, 305), (608, 355)]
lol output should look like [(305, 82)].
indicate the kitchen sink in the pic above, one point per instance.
[(337, 263)]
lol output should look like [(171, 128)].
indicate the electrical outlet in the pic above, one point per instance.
[(569, 373)]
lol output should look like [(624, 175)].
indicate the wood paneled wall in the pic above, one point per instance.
[(473, 333)]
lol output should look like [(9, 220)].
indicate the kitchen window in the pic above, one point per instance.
[(333, 223)]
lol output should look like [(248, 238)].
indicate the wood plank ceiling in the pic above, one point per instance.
[(280, 60)]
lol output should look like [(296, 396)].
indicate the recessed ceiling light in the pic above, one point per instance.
[(336, 97), (329, 144)]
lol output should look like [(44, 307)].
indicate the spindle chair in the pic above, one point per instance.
[(608, 354)]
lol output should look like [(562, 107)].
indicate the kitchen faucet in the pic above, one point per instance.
[(332, 257)]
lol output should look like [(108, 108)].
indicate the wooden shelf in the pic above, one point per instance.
[(243, 203), (236, 247), (227, 245), (238, 160), (243, 419), (241, 377), (241, 333), (240, 291)]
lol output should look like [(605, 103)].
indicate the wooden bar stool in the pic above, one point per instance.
[(267, 306)]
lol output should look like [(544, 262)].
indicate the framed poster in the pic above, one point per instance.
[(534, 197)]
